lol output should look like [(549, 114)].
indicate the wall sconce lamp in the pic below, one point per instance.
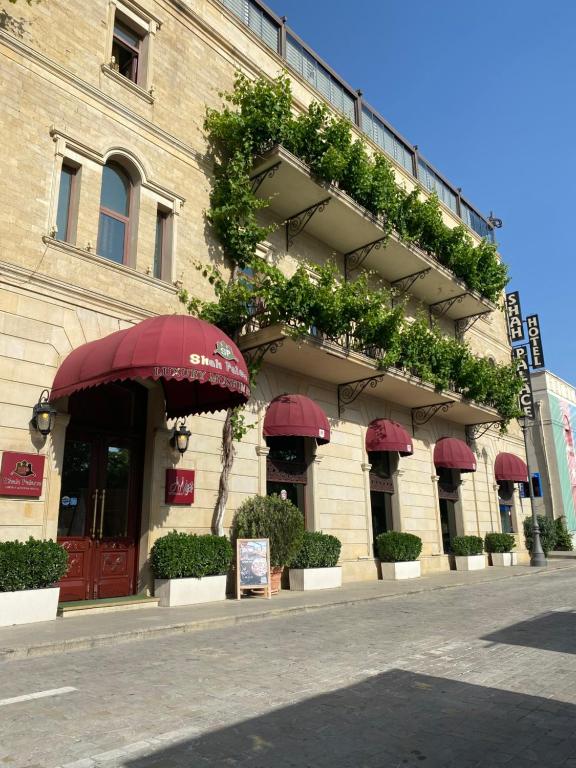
[(44, 414), (181, 437)]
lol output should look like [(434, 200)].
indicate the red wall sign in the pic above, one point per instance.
[(179, 486), (21, 474)]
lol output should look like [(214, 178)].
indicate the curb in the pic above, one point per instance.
[(117, 638)]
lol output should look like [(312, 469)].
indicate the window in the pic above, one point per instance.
[(67, 197), (386, 140), (126, 51), (434, 183), (115, 204), (287, 469), (161, 243), (506, 503), (255, 18)]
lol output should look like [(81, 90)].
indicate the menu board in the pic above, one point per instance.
[(253, 566)]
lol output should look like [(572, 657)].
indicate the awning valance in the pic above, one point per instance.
[(296, 415), (386, 435), (510, 467), (451, 453), (200, 368)]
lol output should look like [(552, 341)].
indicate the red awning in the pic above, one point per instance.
[(289, 415), (510, 467), (200, 368), (451, 453), (386, 435)]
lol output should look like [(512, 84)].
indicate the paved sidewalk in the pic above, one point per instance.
[(106, 629)]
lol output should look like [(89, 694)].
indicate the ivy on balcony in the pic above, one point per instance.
[(259, 114)]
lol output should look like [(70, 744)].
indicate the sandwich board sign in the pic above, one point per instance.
[(253, 566)]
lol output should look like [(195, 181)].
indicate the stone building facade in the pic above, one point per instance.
[(118, 90)]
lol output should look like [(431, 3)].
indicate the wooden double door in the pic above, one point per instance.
[(99, 514)]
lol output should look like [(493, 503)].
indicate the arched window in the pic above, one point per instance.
[(115, 210)]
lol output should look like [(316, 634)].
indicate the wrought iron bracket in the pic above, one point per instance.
[(255, 355), (297, 223), (354, 259), (422, 415), (440, 308), (350, 390), (465, 323), (266, 173), (475, 431), (403, 284)]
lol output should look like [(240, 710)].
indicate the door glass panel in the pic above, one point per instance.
[(381, 504), (75, 501), (294, 493), (115, 508)]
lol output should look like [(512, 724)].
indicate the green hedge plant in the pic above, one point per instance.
[(273, 518), (563, 538), (463, 546), (398, 547), (33, 564), (499, 542), (188, 555), (318, 550), (547, 533)]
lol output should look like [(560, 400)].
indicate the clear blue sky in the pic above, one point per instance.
[(487, 91)]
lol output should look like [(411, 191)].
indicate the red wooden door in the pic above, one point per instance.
[(98, 517)]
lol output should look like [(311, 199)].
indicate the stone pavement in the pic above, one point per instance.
[(80, 633), (478, 676)]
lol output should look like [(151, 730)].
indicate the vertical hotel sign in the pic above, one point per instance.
[(514, 315), (535, 341), (520, 355)]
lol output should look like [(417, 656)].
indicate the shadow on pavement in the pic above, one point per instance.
[(554, 631), (393, 720)]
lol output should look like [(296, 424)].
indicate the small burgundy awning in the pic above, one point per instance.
[(451, 453), (386, 435), (510, 467), (289, 415), (200, 368)]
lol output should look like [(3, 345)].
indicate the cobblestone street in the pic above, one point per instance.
[(482, 675)]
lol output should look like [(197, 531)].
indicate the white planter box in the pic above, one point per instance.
[(501, 558), (470, 562), (514, 558), (189, 591), (315, 578), (410, 569), (28, 606)]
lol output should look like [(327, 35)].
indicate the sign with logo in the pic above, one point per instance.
[(179, 486), (514, 315), (21, 474), (253, 566), (520, 356), (535, 340)]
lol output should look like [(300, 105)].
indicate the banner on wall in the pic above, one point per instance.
[(514, 317), (526, 399), (535, 340)]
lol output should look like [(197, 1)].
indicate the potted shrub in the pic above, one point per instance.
[(563, 538), (189, 568), (547, 533), (468, 553), (28, 572), (398, 553), (276, 519), (315, 564), (500, 546)]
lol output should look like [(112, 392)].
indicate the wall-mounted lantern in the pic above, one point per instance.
[(44, 414), (181, 437)]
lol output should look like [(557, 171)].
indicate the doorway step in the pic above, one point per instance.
[(106, 605)]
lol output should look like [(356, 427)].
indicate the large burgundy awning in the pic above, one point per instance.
[(200, 368), (510, 467), (451, 453), (386, 435), (289, 415)]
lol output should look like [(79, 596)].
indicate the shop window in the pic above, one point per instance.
[(67, 211), (381, 493), (116, 220), (448, 496), (506, 503), (287, 469)]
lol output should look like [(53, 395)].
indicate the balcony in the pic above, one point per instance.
[(325, 212), (353, 373)]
